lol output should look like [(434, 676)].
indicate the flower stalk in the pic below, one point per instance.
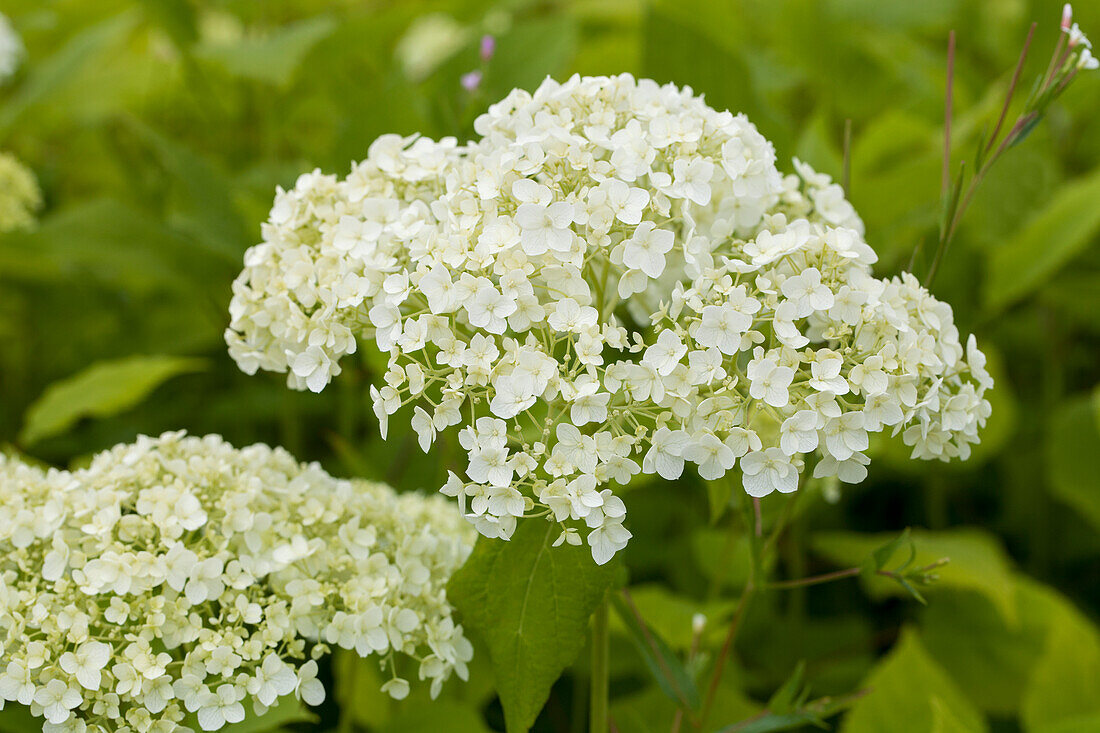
[(1071, 54)]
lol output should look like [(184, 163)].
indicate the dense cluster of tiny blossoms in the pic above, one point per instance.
[(613, 279), (179, 575), (20, 196), (11, 50)]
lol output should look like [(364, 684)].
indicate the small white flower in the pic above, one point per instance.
[(87, 662), (767, 471), (647, 248)]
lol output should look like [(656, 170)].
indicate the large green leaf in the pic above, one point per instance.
[(910, 692), (977, 561), (101, 390), (531, 603), (1072, 445), (1049, 240), (1062, 694), (990, 659), (272, 58)]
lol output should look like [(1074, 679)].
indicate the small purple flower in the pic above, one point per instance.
[(472, 80), (488, 47)]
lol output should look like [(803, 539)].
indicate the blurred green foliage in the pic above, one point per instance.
[(159, 130)]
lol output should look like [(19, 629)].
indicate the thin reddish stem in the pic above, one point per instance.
[(1011, 88), (945, 182)]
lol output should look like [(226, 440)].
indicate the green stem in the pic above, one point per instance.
[(597, 711)]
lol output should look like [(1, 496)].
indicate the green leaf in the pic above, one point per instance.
[(813, 713), (1072, 444), (15, 718), (719, 494), (1047, 242), (882, 555), (650, 711), (991, 660), (1062, 691), (177, 18), (671, 615), (272, 58), (786, 698), (205, 193), (58, 71), (677, 34), (101, 390), (977, 561), (906, 689), (531, 603), (439, 715), (118, 245), (663, 664), (529, 52)]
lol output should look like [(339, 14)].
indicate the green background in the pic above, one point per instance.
[(159, 131)]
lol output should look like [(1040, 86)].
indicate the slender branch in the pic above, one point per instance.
[(723, 654), (814, 579), (1011, 88), (845, 573)]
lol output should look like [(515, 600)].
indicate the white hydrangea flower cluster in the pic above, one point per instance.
[(11, 50), (20, 196), (613, 279), (179, 575)]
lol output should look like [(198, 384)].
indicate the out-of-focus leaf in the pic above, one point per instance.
[(1072, 445), (439, 715), (650, 710), (15, 718), (529, 52), (671, 615), (177, 17), (664, 666), (977, 561), (906, 689), (102, 390), (531, 603), (207, 198), (115, 244), (673, 42), (55, 73), (723, 558), (990, 660), (819, 146), (1049, 240), (1061, 695), (272, 58)]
